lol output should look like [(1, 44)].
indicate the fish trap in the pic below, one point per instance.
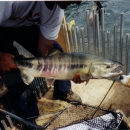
[(77, 117)]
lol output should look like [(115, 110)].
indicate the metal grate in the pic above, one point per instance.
[(39, 85)]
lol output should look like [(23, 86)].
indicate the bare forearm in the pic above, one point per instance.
[(44, 45)]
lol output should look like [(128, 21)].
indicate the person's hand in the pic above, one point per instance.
[(77, 79), (6, 62)]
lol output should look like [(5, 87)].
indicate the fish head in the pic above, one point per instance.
[(104, 68)]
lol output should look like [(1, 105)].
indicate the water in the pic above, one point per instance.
[(113, 10)]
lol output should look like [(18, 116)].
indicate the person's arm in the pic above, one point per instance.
[(6, 62), (44, 45)]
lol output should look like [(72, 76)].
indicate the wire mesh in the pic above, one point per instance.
[(74, 114)]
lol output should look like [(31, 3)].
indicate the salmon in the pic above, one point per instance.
[(63, 66)]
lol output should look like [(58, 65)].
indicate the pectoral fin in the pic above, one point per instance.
[(84, 77), (26, 78)]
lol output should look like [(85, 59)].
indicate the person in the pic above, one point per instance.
[(35, 26)]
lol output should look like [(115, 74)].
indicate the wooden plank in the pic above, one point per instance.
[(60, 38), (94, 91), (118, 98)]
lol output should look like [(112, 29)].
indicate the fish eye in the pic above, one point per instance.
[(108, 66)]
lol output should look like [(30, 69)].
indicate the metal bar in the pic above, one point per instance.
[(115, 42), (45, 85), (39, 92), (108, 44), (65, 38), (83, 41), (10, 121), (97, 33), (42, 88), (126, 54), (74, 39), (39, 83), (4, 125), (70, 37), (121, 35), (94, 38), (103, 32), (78, 39), (20, 119), (35, 94), (35, 84), (88, 29)]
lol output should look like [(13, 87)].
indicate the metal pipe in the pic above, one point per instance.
[(4, 125), (20, 119), (35, 94), (97, 33), (78, 39), (103, 32), (10, 121), (35, 84), (74, 39), (65, 39), (45, 85), (88, 29), (108, 44), (126, 54), (115, 42), (83, 41), (94, 38), (70, 37), (37, 81), (121, 35), (42, 88), (39, 92)]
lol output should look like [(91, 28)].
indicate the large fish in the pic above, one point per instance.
[(63, 66)]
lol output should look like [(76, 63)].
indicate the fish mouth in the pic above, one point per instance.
[(112, 74)]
